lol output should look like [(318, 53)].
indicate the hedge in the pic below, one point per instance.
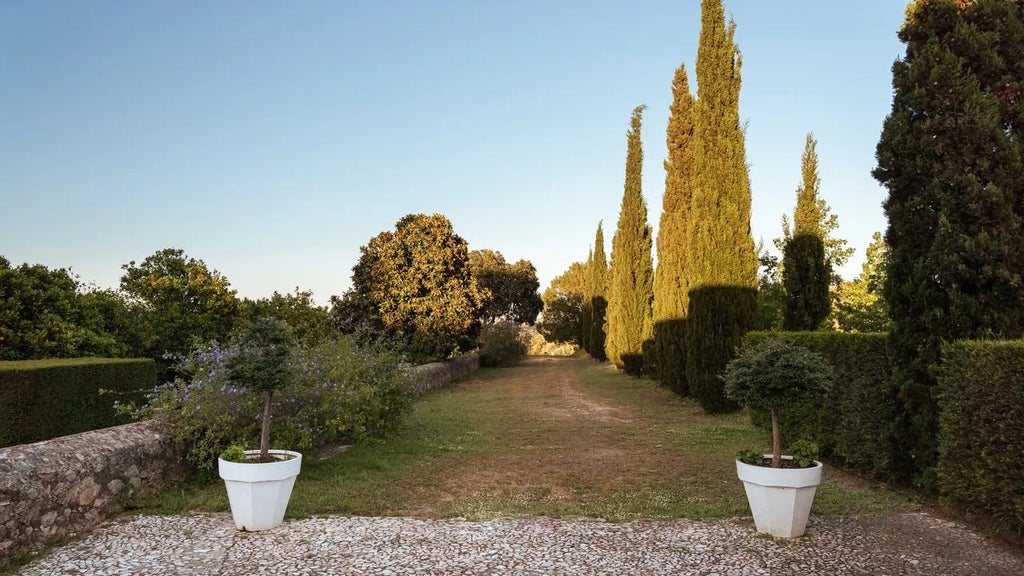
[(43, 399), (858, 422), (981, 438)]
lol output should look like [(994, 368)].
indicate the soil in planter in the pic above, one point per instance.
[(257, 459), (786, 463)]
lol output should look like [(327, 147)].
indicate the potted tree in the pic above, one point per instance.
[(768, 376), (259, 482)]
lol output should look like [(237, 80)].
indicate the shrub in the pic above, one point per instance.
[(43, 399), (857, 421), (981, 431), (340, 393), (774, 374), (500, 344)]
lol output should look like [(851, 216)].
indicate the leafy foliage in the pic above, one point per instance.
[(45, 314), (512, 288), (858, 305), (722, 265), (630, 290), (670, 288), (180, 300), (308, 322), (563, 318), (951, 159), (413, 287), (341, 393), (773, 374), (501, 344), (981, 432)]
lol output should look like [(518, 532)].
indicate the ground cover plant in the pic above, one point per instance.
[(552, 436)]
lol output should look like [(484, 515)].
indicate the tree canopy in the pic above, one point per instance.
[(511, 289)]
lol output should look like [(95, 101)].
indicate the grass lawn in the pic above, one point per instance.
[(554, 437)]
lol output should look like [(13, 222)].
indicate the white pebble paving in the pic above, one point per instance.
[(906, 544)]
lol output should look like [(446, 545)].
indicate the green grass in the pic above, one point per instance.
[(530, 440)]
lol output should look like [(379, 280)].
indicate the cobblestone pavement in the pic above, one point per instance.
[(894, 544)]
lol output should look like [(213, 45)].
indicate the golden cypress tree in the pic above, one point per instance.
[(630, 288), (670, 280), (722, 264)]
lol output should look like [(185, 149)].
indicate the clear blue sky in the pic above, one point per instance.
[(273, 139)]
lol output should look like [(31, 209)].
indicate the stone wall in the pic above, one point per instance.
[(57, 487), (440, 374)]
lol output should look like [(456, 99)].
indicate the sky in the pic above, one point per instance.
[(273, 139)]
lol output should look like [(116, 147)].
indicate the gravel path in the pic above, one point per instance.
[(896, 544)]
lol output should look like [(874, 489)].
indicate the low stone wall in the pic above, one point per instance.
[(440, 374), (57, 487)]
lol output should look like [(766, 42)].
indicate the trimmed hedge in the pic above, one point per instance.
[(981, 438), (43, 399), (857, 422)]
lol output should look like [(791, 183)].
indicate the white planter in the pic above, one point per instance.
[(780, 498), (259, 492)]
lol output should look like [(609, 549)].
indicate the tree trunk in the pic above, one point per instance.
[(776, 441), (265, 432)]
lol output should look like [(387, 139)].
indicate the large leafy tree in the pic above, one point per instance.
[(511, 288), (563, 306), (181, 301), (307, 321), (44, 314), (722, 265), (951, 158), (414, 288), (806, 275), (630, 292), (670, 287), (858, 305)]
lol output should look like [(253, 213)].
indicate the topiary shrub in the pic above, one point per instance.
[(774, 374)]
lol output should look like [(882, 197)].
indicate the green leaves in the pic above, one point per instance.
[(775, 373)]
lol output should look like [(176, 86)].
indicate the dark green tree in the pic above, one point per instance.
[(182, 302), (596, 298), (670, 288), (722, 264), (308, 322), (806, 275), (630, 291), (950, 155), (511, 288), (413, 287), (43, 314)]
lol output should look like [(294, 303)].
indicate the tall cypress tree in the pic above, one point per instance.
[(670, 288), (630, 290), (722, 264), (588, 310), (806, 275), (599, 295), (951, 158)]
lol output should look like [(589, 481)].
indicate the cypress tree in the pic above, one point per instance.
[(630, 289), (586, 340), (806, 275), (670, 289), (722, 264), (951, 159), (599, 296)]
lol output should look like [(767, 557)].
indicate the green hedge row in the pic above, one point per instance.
[(981, 439), (857, 422), (43, 399)]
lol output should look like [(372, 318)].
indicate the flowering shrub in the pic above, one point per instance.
[(340, 393)]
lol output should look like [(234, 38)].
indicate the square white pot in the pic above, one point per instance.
[(780, 498), (259, 492)]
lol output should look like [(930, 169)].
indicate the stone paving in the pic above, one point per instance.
[(890, 544)]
